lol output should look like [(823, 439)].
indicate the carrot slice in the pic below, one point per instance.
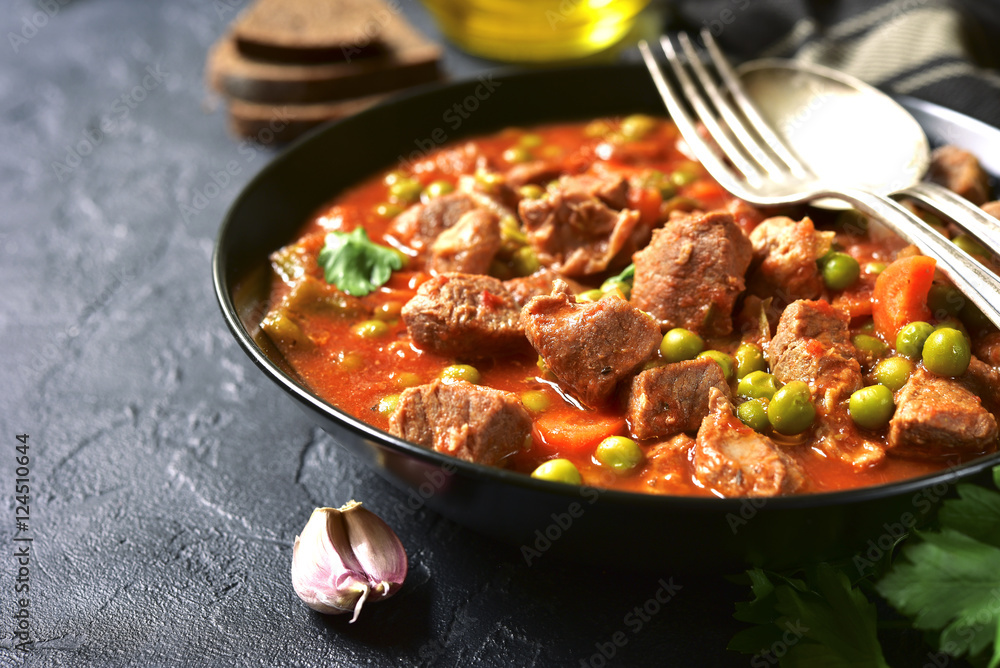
[(647, 202), (900, 295), (574, 432)]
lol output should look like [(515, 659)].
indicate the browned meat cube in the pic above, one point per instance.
[(464, 315), (732, 459), (477, 424), (537, 172), (984, 380), (468, 246), (812, 344), (523, 288), (959, 171), (589, 347), (667, 464), (692, 271), (785, 252), (420, 225), (937, 417), (674, 398), (575, 228)]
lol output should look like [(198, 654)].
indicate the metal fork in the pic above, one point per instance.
[(763, 171)]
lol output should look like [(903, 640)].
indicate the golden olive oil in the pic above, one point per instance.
[(535, 30)]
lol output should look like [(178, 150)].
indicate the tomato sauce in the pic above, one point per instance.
[(361, 374)]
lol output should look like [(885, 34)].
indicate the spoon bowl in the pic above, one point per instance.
[(876, 144)]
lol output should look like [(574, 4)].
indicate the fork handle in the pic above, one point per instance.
[(966, 215), (972, 278)]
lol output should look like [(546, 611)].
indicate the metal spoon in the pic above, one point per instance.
[(852, 134)]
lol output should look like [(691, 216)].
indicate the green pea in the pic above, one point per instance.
[(407, 379), (488, 180), (530, 140), (457, 372), (970, 245), (531, 191), (349, 361), (388, 311), (945, 301), (868, 326), (946, 352), (438, 188), (370, 329), (753, 413), (619, 453), (685, 174), (525, 261), (852, 222), (597, 129), (388, 210), (952, 323), (910, 339), (394, 176), (517, 154), (613, 284), (749, 357), (791, 410), (589, 296), (405, 190), (974, 319), (893, 372), (722, 359), (558, 470), (758, 385), (387, 405), (869, 344), (871, 407), (535, 401), (680, 344), (840, 270), (875, 268), (637, 126)]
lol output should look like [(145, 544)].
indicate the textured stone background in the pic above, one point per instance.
[(168, 476)]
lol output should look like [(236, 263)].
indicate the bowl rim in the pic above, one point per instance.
[(303, 395)]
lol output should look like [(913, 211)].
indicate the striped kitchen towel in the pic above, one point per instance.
[(947, 52)]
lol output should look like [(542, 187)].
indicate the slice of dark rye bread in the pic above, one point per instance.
[(408, 59), (306, 31), (279, 123)]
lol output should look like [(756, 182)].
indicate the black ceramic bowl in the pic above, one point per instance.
[(680, 533)]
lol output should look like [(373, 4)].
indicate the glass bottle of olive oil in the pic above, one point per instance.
[(535, 30)]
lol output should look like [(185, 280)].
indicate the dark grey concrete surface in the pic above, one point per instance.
[(168, 477)]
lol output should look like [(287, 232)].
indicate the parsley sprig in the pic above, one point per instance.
[(355, 264), (946, 581)]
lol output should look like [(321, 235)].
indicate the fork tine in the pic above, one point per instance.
[(688, 127), (751, 143), (749, 109), (722, 135)]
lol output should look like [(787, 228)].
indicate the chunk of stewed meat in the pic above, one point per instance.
[(420, 225), (523, 288), (667, 463), (477, 424), (575, 227), (589, 347), (812, 343), (984, 380), (785, 253), (959, 171), (464, 315), (937, 417), (536, 172), (992, 208), (665, 400), (732, 459), (692, 271), (468, 246)]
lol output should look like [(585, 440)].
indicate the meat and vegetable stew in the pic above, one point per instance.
[(582, 303)]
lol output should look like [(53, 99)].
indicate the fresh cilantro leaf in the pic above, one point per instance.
[(949, 581), (821, 620), (355, 264)]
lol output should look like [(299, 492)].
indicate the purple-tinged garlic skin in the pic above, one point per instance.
[(344, 557)]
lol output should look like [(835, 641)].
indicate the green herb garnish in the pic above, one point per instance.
[(355, 264)]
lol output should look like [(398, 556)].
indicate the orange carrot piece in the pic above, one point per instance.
[(574, 432), (900, 295)]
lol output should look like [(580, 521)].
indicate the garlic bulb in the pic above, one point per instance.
[(345, 556)]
